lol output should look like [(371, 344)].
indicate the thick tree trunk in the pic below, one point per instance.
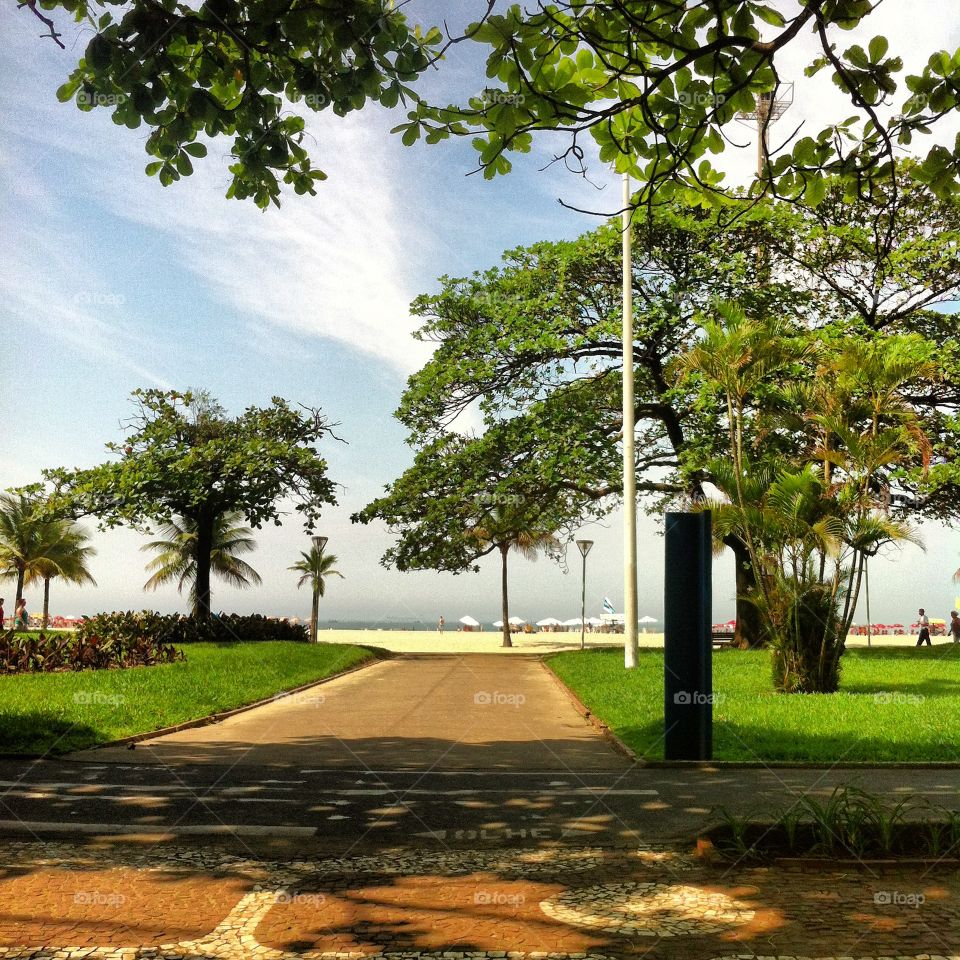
[(46, 602), (505, 612), (749, 632), (16, 606), (315, 613), (201, 605)]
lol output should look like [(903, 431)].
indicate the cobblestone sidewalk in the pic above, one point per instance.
[(73, 903)]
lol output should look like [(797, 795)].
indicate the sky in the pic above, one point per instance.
[(111, 282)]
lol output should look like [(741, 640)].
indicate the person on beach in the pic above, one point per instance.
[(953, 629), (20, 617), (924, 622), (440, 624), (1, 613)]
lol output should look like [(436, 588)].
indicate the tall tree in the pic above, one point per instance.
[(506, 529), (176, 558), (314, 566), (23, 537), (64, 552), (185, 457), (808, 512)]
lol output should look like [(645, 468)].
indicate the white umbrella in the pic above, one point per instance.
[(575, 622), (498, 623), (549, 622), (516, 621), (648, 620), (594, 621), (470, 622)]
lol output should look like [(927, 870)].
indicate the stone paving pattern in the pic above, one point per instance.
[(64, 902)]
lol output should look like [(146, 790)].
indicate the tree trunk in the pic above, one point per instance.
[(314, 614), (749, 632), (201, 603), (16, 606), (505, 612), (46, 602)]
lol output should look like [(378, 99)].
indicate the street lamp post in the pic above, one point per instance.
[(630, 651), (584, 547)]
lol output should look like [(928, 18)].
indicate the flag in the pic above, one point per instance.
[(608, 606)]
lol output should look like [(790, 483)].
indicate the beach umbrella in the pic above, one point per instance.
[(549, 622), (594, 621), (470, 622), (498, 624), (647, 620), (516, 622), (575, 622)]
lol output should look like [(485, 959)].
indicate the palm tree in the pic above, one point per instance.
[(314, 568), (506, 530), (64, 549), (21, 538), (177, 555)]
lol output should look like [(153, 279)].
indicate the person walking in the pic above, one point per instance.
[(954, 628), (924, 622), (440, 624), (21, 618)]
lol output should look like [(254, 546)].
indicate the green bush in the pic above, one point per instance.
[(177, 629), (47, 653)]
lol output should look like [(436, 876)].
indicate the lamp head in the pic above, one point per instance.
[(584, 546)]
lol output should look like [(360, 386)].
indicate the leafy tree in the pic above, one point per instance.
[(654, 85), (231, 69), (64, 551), (810, 513), (315, 566), (23, 537), (657, 85), (506, 529), (466, 497), (185, 457), (176, 558)]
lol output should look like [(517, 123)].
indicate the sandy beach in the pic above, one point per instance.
[(427, 641)]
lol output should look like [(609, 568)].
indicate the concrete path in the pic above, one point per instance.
[(452, 713)]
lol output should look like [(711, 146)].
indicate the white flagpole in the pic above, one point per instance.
[(630, 651)]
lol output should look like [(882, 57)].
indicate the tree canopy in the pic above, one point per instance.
[(232, 68), (655, 86), (186, 458)]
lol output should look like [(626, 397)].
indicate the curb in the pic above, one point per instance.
[(214, 717), (595, 722), (864, 765)]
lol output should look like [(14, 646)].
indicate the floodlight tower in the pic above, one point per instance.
[(769, 108)]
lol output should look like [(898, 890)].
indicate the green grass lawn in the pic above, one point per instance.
[(895, 704), (59, 712)]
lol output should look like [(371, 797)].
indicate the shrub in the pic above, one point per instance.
[(47, 653), (178, 629)]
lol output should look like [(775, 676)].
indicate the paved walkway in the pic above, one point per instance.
[(452, 713), (658, 903)]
